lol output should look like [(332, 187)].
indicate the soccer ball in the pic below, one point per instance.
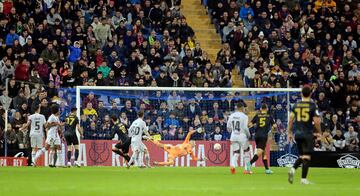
[(217, 146)]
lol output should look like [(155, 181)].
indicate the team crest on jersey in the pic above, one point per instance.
[(99, 153), (348, 161), (217, 156), (287, 159)]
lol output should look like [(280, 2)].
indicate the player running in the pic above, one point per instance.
[(37, 124), (238, 124), (303, 115), (177, 151), (53, 138), (71, 124), (136, 130), (122, 147), (263, 122)]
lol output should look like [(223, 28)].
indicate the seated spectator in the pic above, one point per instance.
[(327, 142), (351, 139), (339, 141)]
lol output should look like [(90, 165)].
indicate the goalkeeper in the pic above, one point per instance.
[(177, 151)]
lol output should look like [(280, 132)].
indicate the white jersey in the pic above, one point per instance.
[(136, 130), (53, 131), (37, 124), (238, 124)]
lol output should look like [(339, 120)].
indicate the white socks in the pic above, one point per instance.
[(235, 160), (33, 159), (59, 161), (51, 157)]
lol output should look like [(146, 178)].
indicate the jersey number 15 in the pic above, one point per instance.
[(302, 114)]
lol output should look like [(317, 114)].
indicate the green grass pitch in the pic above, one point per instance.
[(173, 181)]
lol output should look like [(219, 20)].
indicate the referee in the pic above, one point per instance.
[(304, 116)]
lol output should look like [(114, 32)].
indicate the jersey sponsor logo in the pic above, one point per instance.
[(218, 156), (99, 152), (348, 161), (287, 159)]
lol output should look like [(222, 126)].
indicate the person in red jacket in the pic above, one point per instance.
[(22, 71), (43, 70)]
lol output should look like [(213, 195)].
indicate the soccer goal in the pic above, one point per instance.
[(171, 112)]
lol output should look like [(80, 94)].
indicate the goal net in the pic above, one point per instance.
[(171, 112)]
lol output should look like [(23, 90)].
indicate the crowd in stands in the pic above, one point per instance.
[(279, 43), (48, 46)]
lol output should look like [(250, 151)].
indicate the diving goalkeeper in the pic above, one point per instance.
[(177, 151)]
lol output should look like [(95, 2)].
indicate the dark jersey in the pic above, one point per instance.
[(263, 123), (303, 112), (121, 131), (70, 124)]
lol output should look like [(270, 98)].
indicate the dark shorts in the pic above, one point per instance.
[(305, 144), (71, 139), (261, 142), (123, 146)]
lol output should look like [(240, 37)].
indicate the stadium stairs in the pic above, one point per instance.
[(205, 33)]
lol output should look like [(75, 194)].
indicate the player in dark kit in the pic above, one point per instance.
[(304, 116), (263, 122), (72, 141), (122, 147)]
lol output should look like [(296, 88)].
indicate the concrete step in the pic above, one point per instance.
[(198, 12)]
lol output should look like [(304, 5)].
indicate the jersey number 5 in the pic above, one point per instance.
[(262, 122), (37, 125), (302, 114)]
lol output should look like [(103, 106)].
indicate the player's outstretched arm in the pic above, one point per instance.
[(188, 136)]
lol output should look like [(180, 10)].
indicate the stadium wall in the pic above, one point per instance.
[(98, 153)]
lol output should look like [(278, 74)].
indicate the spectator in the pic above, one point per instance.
[(339, 141), (351, 139), (327, 142), (245, 11)]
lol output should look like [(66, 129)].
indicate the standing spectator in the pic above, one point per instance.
[(103, 32)]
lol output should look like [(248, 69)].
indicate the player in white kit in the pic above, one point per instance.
[(37, 123), (53, 140), (136, 130), (238, 124)]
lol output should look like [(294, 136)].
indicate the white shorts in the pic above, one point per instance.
[(36, 141), (138, 146), (53, 140), (239, 141)]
